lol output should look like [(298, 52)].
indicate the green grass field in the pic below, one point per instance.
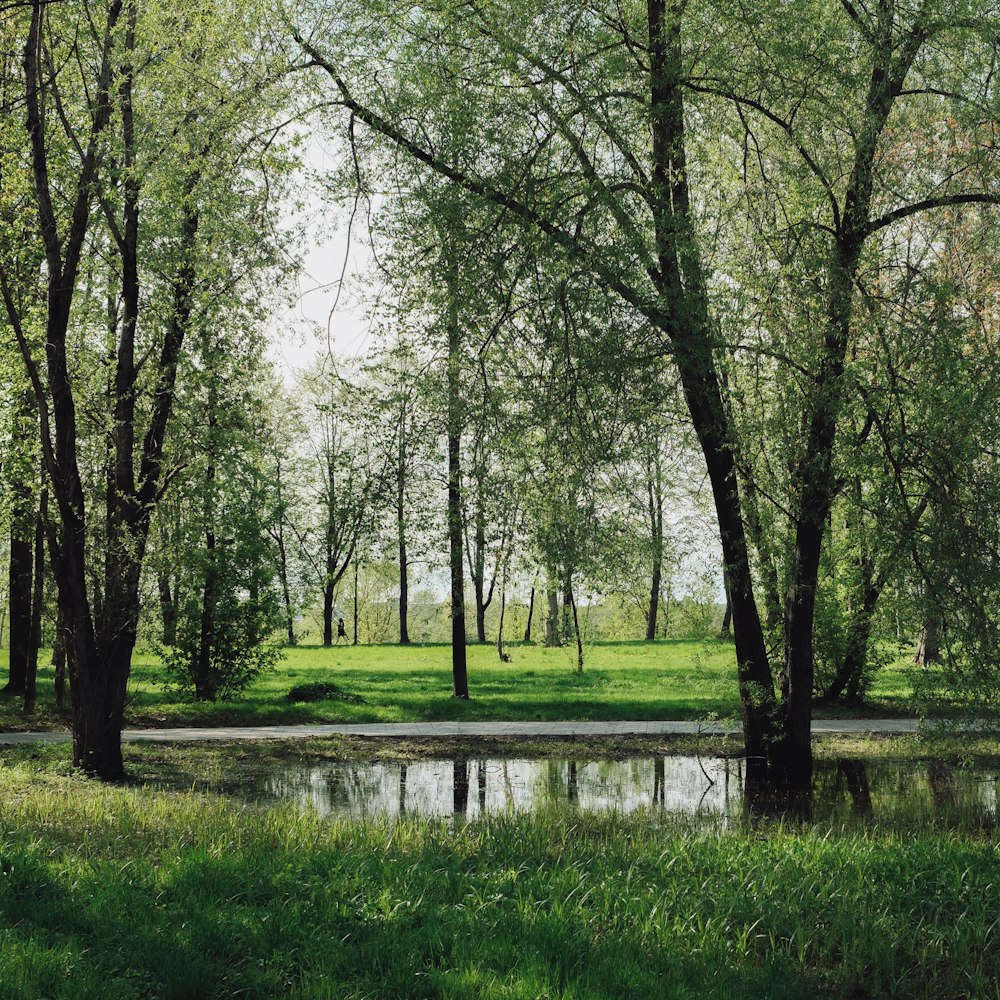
[(622, 680), (117, 893)]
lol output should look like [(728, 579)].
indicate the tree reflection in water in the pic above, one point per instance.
[(713, 789)]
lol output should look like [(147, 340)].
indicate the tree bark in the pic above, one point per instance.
[(531, 612)]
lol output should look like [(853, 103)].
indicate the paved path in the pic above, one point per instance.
[(388, 730)]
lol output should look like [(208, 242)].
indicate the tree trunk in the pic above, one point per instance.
[(727, 618), (552, 618), (37, 606), (929, 643), (480, 616), (458, 655), (59, 662), (404, 583), (20, 590), (654, 604), (286, 594), (459, 669), (850, 672), (328, 586), (168, 609), (204, 682), (354, 638), (576, 624), (566, 626), (656, 538), (684, 295), (531, 612)]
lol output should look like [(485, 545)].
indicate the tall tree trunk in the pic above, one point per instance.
[(59, 662), (655, 488), (354, 638), (286, 593), (404, 582), (479, 576), (328, 587), (205, 688), (459, 669), (37, 605), (19, 588), (531, 612)]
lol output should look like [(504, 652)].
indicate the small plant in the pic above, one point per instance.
[(323, 691)]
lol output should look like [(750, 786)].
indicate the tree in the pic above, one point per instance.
[(350, 467), (128, 165), (583, 89)]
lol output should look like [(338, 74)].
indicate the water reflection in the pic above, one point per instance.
[(467, 787)]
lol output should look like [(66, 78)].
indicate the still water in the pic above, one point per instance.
[(469, 787)]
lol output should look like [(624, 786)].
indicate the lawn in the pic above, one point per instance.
[(621, 680), (119, 893)]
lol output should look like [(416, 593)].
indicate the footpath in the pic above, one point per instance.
[(409, 730)]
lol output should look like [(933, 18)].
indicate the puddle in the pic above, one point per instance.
[(470, 787)]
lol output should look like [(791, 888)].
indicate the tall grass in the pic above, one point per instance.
[(115, 893)]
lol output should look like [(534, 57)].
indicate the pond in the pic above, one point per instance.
[(705, 787)]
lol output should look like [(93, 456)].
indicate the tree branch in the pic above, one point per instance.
[(943, 201)]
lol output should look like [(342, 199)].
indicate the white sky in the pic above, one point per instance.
[(325, 314)]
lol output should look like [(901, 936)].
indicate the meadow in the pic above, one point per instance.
[(668, 679)]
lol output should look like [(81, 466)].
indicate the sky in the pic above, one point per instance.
[(326, 313)]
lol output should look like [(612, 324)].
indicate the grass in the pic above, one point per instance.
[(118, 893), (623, 680)]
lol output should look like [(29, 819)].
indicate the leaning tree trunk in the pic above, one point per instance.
[(531, 613), (684, 294)]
